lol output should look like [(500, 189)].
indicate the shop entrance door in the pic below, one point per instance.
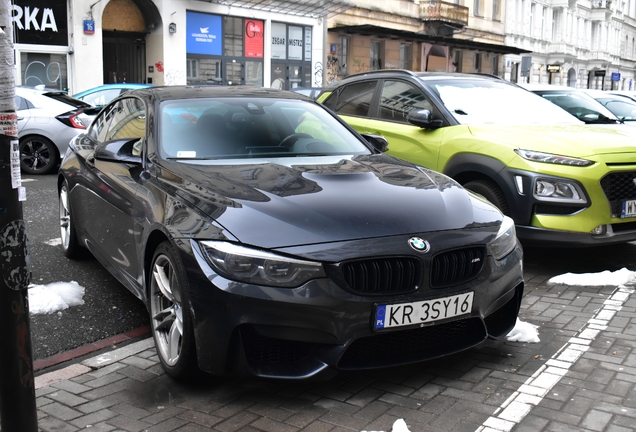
[(124, 57)]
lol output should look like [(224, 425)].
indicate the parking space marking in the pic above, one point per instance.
[(521, 402)]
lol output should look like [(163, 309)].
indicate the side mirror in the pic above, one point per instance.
[(377, 142), (119, 151), (424, 119)]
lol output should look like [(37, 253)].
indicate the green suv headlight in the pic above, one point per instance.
[(535, 156), (258, 267), (505, 241), (552, 189)]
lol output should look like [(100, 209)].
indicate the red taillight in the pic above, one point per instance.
[(72, 119)]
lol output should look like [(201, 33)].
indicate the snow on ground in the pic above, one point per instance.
[(398, 426), (54, 297), (617, 278)]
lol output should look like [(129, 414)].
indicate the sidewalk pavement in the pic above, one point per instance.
[(581, 376)]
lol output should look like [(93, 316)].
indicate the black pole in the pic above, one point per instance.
[(18, 411)]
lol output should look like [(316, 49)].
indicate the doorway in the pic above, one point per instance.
[(124, 57)]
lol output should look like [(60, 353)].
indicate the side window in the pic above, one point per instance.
[(355, 99), (21, 103), (128, 120), (399, 98)]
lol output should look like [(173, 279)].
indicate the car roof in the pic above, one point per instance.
[(163, 93), (112, 86), (548, 87), (424, 76)]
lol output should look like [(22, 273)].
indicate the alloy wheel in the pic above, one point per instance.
[(166, 311), (65, 219)]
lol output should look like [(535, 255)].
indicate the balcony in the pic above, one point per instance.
[(601, 10), (443, 13)]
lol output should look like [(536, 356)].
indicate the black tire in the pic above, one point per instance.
[(170, 319), (70, 245), (489, 190), (38, 155)]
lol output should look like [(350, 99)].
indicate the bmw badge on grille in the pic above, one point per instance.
[(419, 245)]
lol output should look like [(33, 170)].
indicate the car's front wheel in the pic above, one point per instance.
[(67, 225), (170, 315), (38, 155), (489, 190)]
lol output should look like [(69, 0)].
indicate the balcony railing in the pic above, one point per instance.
[(454, 14)]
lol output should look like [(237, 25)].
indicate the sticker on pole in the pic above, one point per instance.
[(9, 124), (16, 179)]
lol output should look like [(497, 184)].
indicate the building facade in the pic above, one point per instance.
[(79, 44), (577, 43)]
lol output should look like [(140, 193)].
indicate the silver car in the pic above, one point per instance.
[(47, 121)]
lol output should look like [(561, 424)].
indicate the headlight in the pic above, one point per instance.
[(258, 267), (505, 241), (552, 158), (552, 189)]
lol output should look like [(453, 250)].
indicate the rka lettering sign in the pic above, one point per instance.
[(41, 22)]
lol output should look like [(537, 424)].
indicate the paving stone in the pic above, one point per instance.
[(93, 418), (596, 420)]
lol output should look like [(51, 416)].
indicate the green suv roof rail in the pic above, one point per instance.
[(384, 71)]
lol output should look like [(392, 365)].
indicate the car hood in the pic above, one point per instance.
[(567, 140), (298, 201)]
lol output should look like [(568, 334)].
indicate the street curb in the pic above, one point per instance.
[(92, 364), (87, 349)]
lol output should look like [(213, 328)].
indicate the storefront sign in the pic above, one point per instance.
[(295, 43), (254, 38), (279, 41), (599, 73), (616, 76), (554, 68), (41, 22), (307, 43), (203, 33)]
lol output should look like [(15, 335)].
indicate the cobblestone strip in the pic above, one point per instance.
[(521, 402)]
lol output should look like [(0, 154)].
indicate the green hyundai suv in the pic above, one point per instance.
[(563, 182)]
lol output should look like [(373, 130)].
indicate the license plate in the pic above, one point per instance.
[(629, 209), (408, 314)]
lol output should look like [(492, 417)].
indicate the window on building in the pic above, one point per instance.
[(457, 60), (476, 8), (495, 10), (343, 55), (192, 69), (376, 55), (544, 10), (405, 56), (477, 62), (533, 7), (556, 15)]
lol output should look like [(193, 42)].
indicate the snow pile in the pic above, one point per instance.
[(398, 426), (524, 332), (617, 278), (56, 296)]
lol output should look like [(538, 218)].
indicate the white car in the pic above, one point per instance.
[(47, 121), (580, 103)]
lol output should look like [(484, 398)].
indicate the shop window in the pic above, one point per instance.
[(44, 69), (495, 65), (232, 36)]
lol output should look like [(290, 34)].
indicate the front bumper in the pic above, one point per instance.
[(301, 332), (569, 224)]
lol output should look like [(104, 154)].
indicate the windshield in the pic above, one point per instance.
[(247, 128), (480, 101)]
